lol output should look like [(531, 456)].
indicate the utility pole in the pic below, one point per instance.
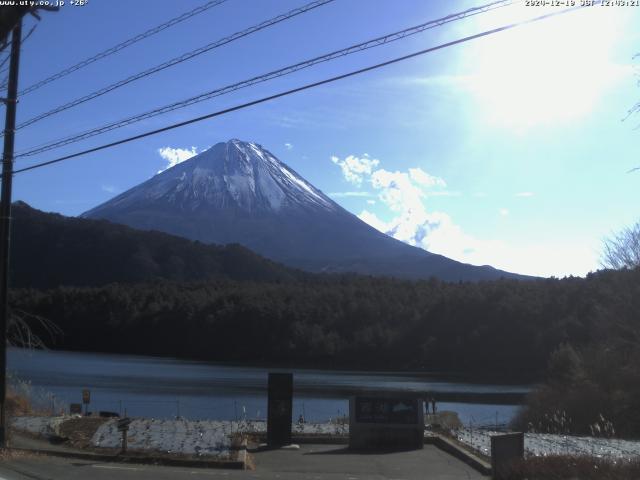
[(5, 218)]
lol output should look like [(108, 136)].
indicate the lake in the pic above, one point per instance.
[(168, 387)]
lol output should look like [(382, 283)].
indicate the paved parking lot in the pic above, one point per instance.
[(310, 462), (336, 461)]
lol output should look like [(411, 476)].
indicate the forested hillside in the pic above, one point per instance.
[(502, 327), (50, 250)]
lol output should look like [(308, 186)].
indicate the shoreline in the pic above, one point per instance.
[(471, 377)]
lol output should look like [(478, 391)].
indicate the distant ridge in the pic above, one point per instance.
[(238, 192), (49, 250)]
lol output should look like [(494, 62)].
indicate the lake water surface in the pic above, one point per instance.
[(168, 387)]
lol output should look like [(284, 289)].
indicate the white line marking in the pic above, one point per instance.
[(205, 473), (112, 467), (222, 474)]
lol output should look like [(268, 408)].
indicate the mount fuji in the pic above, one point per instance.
[(238, 192)]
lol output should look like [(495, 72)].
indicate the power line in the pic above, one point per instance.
[(177, 60), (267, 76), (299, 89), (123, 45), (6, 69)]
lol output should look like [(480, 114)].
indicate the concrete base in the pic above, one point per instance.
[(388, 438)]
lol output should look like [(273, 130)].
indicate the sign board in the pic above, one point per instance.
[(386, 410), (505, 449), (279, 409), (386, 421), (86, 396), (123, 424), (75, 409)]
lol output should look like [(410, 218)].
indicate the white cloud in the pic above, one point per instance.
[(402, 192), (397, 190), (373, 220), (174, 156), (405, 194), (442, 193), (423, 178), (437, 233), (524, 194), (359, 193), (288, 146), (355, 169), (110, 189)]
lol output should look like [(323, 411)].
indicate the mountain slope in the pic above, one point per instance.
[(238, 192), (49, 250)]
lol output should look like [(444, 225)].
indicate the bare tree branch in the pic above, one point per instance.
[(622, 250), (21, 326)]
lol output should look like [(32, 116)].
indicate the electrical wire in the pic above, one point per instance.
[(4, 60), (122, 45), (175, 61), (266, 77), (299, 89)]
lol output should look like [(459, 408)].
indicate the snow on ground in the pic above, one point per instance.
[(213, 437), (194, 437), (538, 444), (308, 428), (44, 426), (169, 436)]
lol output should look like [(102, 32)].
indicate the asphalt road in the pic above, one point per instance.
[(310, 462)]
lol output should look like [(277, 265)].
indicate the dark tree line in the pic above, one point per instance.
[(593, 387), (506, 327), (593, 390)]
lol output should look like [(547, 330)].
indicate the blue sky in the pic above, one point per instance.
[(509, 150)]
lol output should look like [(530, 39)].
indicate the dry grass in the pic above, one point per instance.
[(79, 431), (250, 463), (27, 399), (17, 405), (8, 454), (444, 420), (561, 467)]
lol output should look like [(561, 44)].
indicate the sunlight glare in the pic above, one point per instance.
[(547, 72)]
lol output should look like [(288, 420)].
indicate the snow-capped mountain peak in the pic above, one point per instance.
[(233, 174), (239, 192)]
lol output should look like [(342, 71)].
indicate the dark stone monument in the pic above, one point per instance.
[(505, 449), (279, 415), (386, 422), (123, 426)]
